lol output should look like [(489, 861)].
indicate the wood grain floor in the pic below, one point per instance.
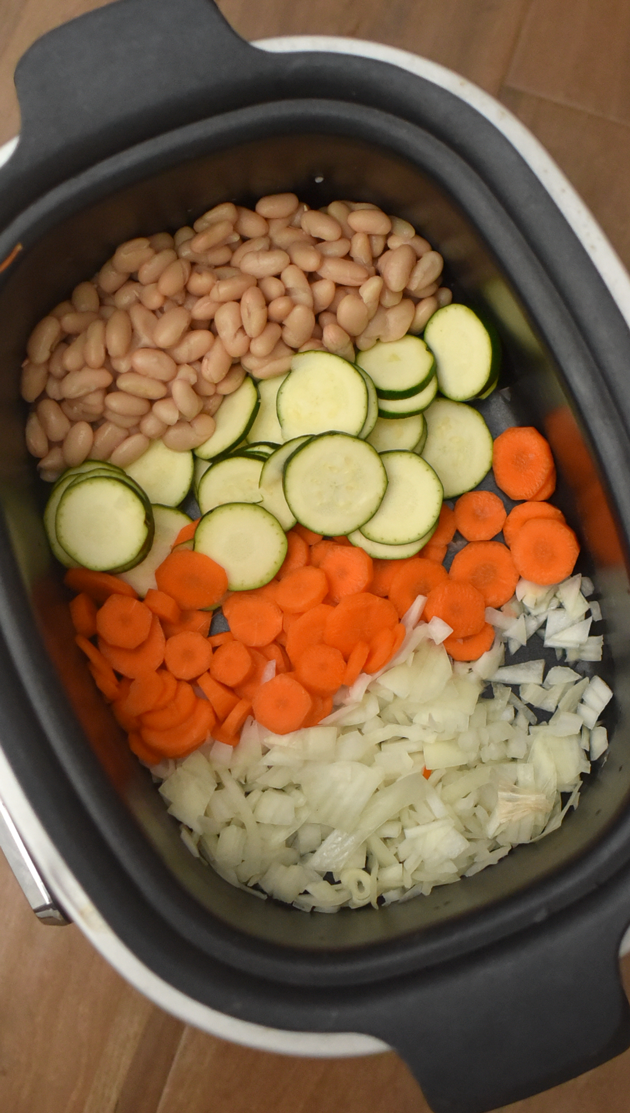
[(74, 1038)]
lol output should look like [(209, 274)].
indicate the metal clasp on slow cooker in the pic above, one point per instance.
[(26, 873)]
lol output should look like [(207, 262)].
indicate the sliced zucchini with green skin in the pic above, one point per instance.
[(372, 414), (234, 420), (167, 521), (421, 443), (390, 434), (334, 483), (389, 552), (259, 450), (271, 487), (200, 468), (411, 503), (398, 368), (458, 445), (467, 353), (322, 392), (234, 479), (408, 407), (266, 427), (165, 475), (246, 540), (50, 512), (103, 523)]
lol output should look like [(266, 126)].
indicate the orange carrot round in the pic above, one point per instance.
[(106, 682), (162, 605), (169, 688), (545, 551), (321, 669), (228, 732), (416, 576), (282, 704), (133, 662), (320, 549), (124, 622), (253, 621), (98, 585), (548, 487), (308, 535), (522, 512), (221, 639), (307, 629), (221, 698), (381, 648), (471, 648), (199, 621), (187, 655), (479, 515), (186, 533), (298, 554), (302, 589), (521, 461), (138, 746), (348, 570), (145, 691), (177, 711), (383, 572), (186, 736), (434, 551), (83, 615), (321, 707), (248, 688), (488, 566), (445, 529), (194, 580), (358, 656), (458, 604), (232, 663), (274, 652), (358, 618)]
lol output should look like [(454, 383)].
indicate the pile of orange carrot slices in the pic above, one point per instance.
[(330, 614)]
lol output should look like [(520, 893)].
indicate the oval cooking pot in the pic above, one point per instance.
[(513, 973)]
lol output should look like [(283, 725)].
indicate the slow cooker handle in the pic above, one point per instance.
[(518, 1018), (117, 76)]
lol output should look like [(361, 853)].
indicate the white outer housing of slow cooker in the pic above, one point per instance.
[(59, 879)]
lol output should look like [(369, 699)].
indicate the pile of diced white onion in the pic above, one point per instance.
[(342, 814)]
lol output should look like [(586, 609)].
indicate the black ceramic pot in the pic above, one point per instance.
[(507, 982)]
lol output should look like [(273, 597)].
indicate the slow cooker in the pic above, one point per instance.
[(501, 985)]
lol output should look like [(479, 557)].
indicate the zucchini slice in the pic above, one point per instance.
[(271, 487), (246, 540), (467, 353), (321, 392), (458, 445), (167, 521), (389, 552), (398, 368), (411, 503), (166, 476), (234, 479), (93, 467), (260, 450), (372, 414), (103, 523), (234, 420), (390, 434), (334, 483), (266, 426), (408, 407)]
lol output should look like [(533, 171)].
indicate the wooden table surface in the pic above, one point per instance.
[(75, 1038)]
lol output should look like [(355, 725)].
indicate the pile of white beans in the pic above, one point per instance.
[(172, 324)]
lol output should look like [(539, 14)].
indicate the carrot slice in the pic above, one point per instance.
[(308, 535), (186, 533), (458, 604), (321, 669), (221, 639), (145, 691), (231, 727), (400, 633), (193, 579), (124, 622), (123, 718), (434, 551), (106, 682), (93, 654), (298, 554), (187, 655), (276, 653), (221, 698), (383, 573), (162, 605), (139, 747), (98, 585), (358, 656), (523, 511), (169, 688), (417, 576), (341, 539), (521, 461), (479, 515), (186, 736), (282, 704), (488, 566), (83, 615), (306, 629), (232, 663), (545, 551), (133, 662), (319, 551), (381, 648), (445, 529), (180, 707), (249, 687), (322, 706), (348, 571), (472, 647), (358, 618), (302, 589), (199, 621), (253, 621)]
